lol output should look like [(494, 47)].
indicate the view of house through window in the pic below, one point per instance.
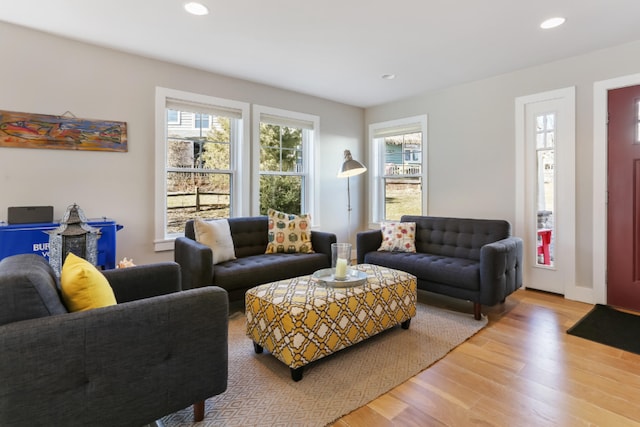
[(399, 161), (545, 137), (198, 169), (402, 175)]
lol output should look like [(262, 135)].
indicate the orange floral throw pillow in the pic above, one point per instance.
[(398, 237), (288, 233)]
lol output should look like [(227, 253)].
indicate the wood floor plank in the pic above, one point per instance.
[(522, 369)]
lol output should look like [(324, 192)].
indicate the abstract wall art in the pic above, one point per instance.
[(26, 130)]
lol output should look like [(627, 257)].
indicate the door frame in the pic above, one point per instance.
[(566, 97), (600, 146)]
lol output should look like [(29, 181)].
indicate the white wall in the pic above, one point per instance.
[(472, 139), (45, 74)]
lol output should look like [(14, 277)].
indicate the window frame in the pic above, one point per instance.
[(239, 157), (377, 133), (310, 134)]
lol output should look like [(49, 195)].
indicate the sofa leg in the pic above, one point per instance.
[(477, 310), (198, 411)]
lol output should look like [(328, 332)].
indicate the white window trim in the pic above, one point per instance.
[(376, 160), (239, 159), (309, 151)]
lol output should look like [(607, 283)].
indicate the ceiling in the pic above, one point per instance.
[(339, 49)]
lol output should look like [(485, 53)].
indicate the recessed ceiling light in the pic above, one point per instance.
[(552, 23), (388, 76), (195, 8)]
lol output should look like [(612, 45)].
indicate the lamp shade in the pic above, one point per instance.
[(350, 167)]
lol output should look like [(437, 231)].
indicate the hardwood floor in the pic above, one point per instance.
[(523, 369)]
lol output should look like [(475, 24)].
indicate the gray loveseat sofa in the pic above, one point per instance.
[(253, 266), (473, 259), (155, 352)]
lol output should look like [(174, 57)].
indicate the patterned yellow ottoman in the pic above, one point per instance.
[(300, 320)]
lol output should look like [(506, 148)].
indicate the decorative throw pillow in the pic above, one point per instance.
[(289, 233), (217, 235), (398, 236), (83, 286)]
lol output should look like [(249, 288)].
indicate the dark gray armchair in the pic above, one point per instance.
[(155, 352)]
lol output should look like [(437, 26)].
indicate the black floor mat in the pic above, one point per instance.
[(609, 326)]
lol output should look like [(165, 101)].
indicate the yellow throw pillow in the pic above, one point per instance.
[(289, 233), (83, 286)]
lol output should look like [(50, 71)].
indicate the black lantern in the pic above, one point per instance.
[(73, 235)]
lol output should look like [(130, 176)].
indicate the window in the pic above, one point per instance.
[(199, 150), (399, 161), (202, 121), (284, 163), (637, 122), (545, 135), (173, 117)]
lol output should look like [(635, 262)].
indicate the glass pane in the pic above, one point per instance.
[(550, 140), (539, 123), (546, 198), (402, 196), (280, 149), (551, 121), (283, 193), (195, 193), (403, 154), (539, 140)]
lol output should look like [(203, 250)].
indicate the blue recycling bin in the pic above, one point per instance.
[(33, 239)]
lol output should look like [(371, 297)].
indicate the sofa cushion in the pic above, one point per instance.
[(288, 233), (28, 289), (253, 270), (83, 286), (457, 272), (398, 236), (217, 235)]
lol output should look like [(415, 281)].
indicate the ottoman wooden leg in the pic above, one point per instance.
[(257, 347), (405, 324), (296, 374)]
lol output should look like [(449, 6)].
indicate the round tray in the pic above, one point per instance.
[(327, 277)]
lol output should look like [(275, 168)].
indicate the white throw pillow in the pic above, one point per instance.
[(217, 235)]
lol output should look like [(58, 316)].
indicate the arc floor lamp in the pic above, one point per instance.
[(350, 168)]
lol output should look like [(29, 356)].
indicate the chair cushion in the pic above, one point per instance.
[(83, 286), (28, 289)]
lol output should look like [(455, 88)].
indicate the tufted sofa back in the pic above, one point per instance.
[(456, 237), (249, 234)]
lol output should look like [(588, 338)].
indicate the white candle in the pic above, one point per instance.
[(341, 268)]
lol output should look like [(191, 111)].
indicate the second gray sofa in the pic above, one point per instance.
[(472, 259)]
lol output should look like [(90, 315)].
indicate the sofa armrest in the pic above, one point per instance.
[(122, 365), (500, 269), (321, 242), (144, 281), (367, 241), (196, 262)]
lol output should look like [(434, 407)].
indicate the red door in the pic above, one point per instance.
[(623, 211)]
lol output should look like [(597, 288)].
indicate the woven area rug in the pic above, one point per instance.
[(261, 393)]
